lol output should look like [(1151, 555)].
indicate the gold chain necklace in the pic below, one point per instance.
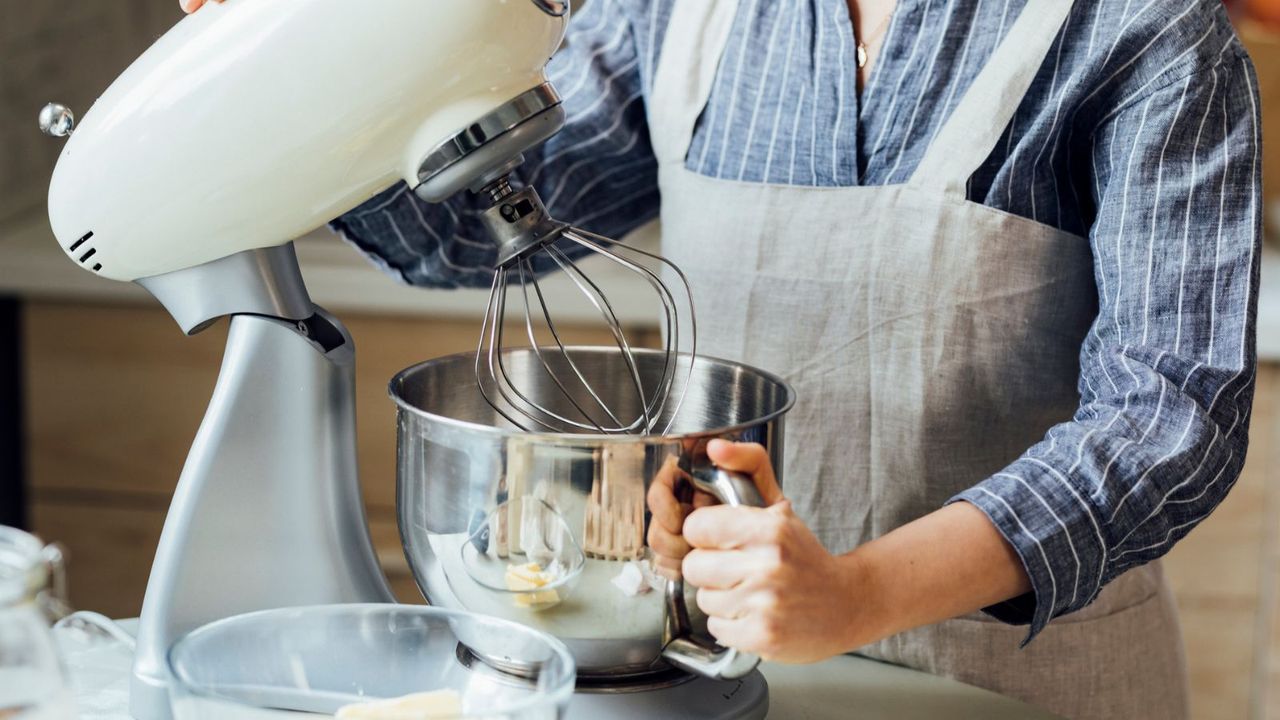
[(862, 44)]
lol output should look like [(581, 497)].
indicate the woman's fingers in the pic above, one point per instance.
[(190, 6), (728, 604), (739, 633), (716, 569), (663, 504), (667, 567), (666, 543), (723, 527), (750, 459)]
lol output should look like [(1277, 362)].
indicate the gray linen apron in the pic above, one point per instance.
[(931, 341)]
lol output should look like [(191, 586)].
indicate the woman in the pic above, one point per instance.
[(1007, 252)]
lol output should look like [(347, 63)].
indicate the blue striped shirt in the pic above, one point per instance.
[(1140, 132)]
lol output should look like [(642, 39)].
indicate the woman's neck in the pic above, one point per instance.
[(870, 26)]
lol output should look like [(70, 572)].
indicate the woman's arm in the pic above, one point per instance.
[(1159, 438), (769, 587), (599, 172), (1167, 370)]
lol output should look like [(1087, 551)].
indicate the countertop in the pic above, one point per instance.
[(340, 279), (843, 688)]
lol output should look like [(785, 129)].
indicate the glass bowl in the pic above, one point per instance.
[(314, 660)]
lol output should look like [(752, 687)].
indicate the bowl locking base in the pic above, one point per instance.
[(745, 699)]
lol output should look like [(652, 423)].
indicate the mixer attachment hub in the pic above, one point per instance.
[(527, 236), (518, 221)]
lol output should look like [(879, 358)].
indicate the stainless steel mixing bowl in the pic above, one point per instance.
[(537, 527)]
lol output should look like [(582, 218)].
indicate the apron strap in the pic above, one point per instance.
[(696, 38), (968, 138)]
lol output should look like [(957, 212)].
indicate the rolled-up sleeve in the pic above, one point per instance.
[(1168, 367), (599, 172)]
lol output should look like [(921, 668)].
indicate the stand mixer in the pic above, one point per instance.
[(253, 122)]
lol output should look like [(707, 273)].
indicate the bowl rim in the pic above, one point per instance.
[(548, 437), (564, 685)]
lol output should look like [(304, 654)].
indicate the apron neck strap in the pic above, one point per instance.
[(697, 34), (968, 138)]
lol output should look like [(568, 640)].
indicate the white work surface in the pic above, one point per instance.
[(844, 688)]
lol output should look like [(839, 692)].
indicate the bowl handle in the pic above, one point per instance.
[(683, 648)]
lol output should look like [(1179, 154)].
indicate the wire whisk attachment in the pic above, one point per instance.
[(564, 392)]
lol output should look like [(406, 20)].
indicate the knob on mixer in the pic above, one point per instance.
[(57, 120)]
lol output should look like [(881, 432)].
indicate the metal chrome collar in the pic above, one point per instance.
[(504, 119)]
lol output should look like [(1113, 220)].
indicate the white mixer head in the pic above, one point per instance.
[(253, 122)]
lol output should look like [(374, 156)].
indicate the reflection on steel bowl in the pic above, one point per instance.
[(535, 527)]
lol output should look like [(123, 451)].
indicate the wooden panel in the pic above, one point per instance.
[(1266, 444), (115, 397), (109, 550), (111, 540), (1224, 597), (117, 393), (1263, 45)]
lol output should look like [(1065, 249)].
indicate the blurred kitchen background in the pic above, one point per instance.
[(101, 394)]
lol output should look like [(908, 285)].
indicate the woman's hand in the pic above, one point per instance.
[(190, 6), (668, 510), (769, 587), (766, 583)]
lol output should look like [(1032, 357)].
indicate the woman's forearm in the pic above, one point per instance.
[(948, 563), (769, 587)]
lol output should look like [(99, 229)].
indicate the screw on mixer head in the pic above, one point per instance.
[(57, 120), (527, 236)]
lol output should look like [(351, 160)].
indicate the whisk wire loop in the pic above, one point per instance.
[(600, 244), (509, 390), (518, 222), (527, 278), (602, 304), (671, 331), (566, 357), (489, 338)]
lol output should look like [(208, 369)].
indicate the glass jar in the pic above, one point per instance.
[(33, 684)]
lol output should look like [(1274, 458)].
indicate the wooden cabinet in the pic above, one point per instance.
[(114, 398)]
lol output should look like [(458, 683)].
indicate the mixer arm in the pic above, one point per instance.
[(682, 647), (268, 510), (265, 281)]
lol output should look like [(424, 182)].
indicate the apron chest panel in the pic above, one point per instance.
[(930, 340)]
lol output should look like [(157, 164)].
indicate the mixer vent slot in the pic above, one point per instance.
[(89, 251)]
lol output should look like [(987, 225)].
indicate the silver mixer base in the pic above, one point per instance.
[(701, 699)]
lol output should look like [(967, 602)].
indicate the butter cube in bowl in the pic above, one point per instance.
[(369, 662)]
